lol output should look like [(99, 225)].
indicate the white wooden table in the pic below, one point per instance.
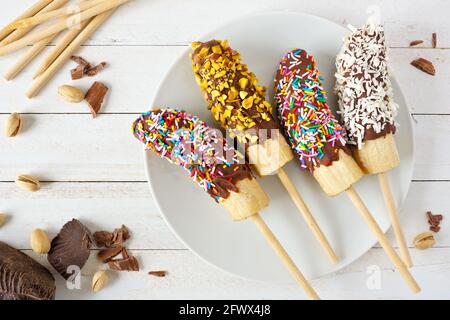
[(93, 169)]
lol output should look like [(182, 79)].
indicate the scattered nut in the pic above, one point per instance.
[(71, 94), (39, 241), (424, 241), (99, 280), (2, 218), (12, 125), (28, 183)]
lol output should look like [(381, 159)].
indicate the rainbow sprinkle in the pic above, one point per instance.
[(188, 142), (303, 110)]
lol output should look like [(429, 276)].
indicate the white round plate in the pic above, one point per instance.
[(238, 247)]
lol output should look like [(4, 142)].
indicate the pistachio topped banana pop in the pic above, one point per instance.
[(238, 103), (188, 142), (314, 133), (366, 102), (368, 110)]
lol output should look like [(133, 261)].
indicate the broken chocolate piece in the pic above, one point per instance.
[(160, 274), (95, 70), (415, 43), (106, 255), (433, 40), (103, 238), (77, 73), (85, 68), (70, 249), (95, 97), (22, 278), (108, 239), (128, 263), (424, 65), (81, 61), (434, 220)]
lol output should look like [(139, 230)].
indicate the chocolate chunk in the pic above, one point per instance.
[(160, 274), (70, 248), (95, 97), (81, 61), (112, 239), (424, 65), (77, 73), (103, 238), (22, 278), (106, 255), (435, 228), (415, 43), (434, 220), (128, 263), (95, 70)]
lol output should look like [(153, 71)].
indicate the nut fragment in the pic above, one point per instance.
[(39, 241), (99, 280), (71, 94), (12, 125), (2, 218), (28, 183), (424, 240)]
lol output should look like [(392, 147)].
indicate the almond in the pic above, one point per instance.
[(39, 241)]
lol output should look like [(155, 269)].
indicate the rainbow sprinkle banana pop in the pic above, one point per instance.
[(366, 101), (211, 162), (238, 103), (314, 133), (188, 142)]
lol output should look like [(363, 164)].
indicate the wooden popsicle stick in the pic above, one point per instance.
[(281, 252), (4, 32), (58, 13), (304, 210), (18, 34), (390, 204), (57, 27), (60, 46), (44, 78), (382, 239)]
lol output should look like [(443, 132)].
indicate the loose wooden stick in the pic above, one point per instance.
[(58, 13), (12, 72), (281, 252), (44, 78), (390, 204), (60, 46), (68, 23), (373, 225), (17, 34), (303, 208), (28, 57), (28, 13)]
